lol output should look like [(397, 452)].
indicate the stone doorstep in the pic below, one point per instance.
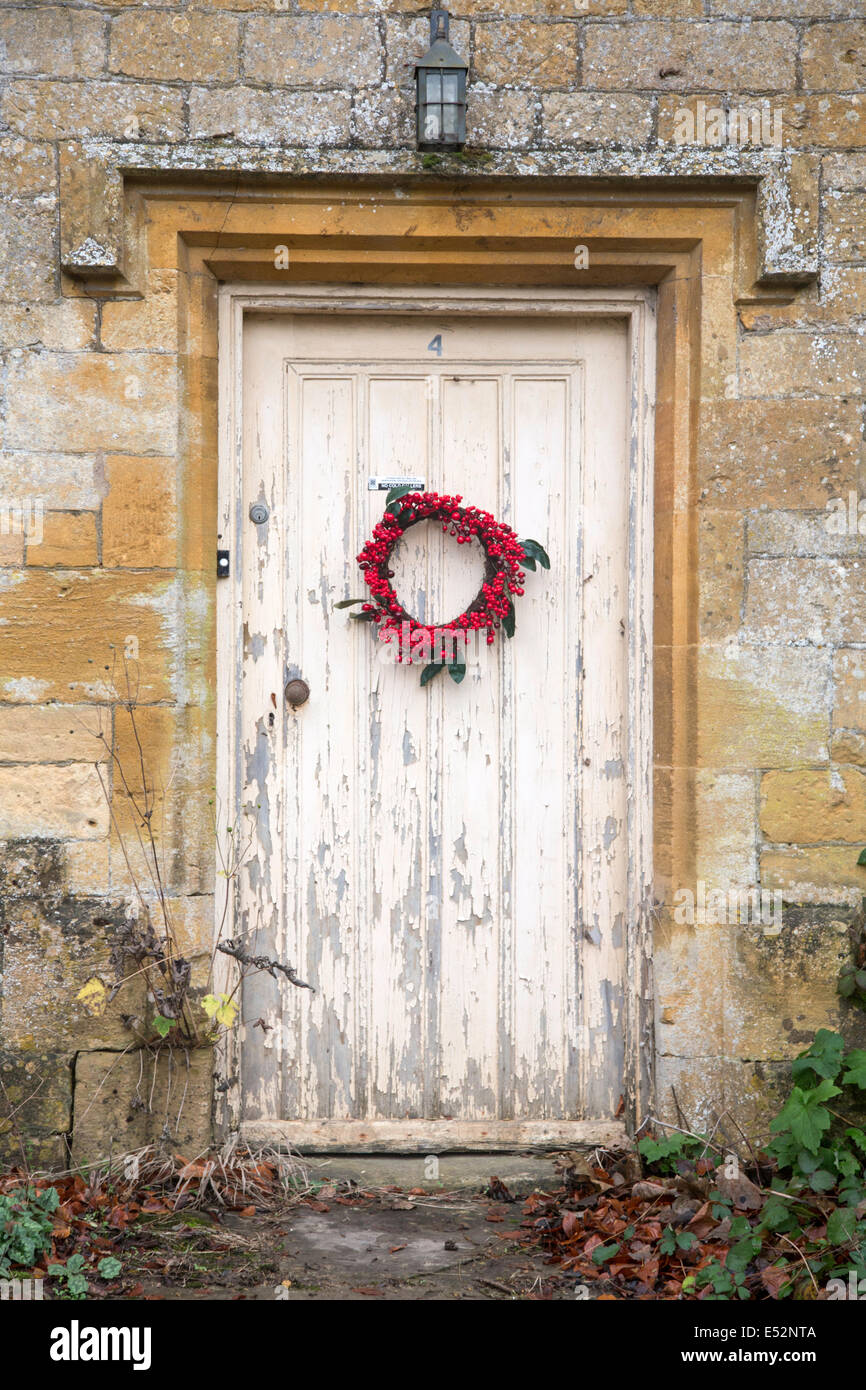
[(521, 1173)]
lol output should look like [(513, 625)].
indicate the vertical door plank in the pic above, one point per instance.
[(467, 729), (394, 837), (604, 754), (256, 837), (322, 762), (542, 816)]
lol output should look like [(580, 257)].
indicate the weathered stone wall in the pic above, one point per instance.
[(120, 565)]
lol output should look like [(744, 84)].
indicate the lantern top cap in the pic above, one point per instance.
[(440, 54)]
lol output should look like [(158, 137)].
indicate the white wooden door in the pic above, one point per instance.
[(448, 865)]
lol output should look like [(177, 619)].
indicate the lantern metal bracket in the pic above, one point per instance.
[(440, 21)]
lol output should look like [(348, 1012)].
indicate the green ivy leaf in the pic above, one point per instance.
[(777, 1216), (842, 1226), (668, 1242), (804, 1115), (847, 1164), (742, 1254), (824, 1056), (348, 602), (602, 1253), (855, 1075), (861, 859), (163, 1025), (784, 1149), (822, 1181), (859, 1138)]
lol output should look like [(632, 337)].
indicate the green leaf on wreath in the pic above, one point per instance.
[(527, 564), (861, 858), (397, 492), (533, 551), (508, 621), (364, 617), (430, 671), (349, 602), (457, 670)]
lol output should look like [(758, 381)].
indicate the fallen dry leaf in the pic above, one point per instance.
[(648, 1191), (739, 1190), (773, 1278), (570, 1223)]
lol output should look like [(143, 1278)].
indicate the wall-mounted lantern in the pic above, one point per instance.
[(440, 91)]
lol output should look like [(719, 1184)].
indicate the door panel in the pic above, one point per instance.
[(447, 866)]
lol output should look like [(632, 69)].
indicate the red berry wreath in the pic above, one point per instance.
[(506, 559)]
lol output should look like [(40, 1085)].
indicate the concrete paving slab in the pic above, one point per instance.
[(374, 1244)]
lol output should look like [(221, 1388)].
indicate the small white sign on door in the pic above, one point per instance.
[(385, 484)]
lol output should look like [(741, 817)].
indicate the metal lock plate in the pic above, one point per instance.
[(259, 513)]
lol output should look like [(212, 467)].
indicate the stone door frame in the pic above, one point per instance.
[(704, 245)]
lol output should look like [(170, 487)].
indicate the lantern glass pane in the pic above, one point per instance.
[(434, 86), (432, 123), (450, 119), (450, 86)]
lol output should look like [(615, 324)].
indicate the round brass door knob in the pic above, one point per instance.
[(297, 692)]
